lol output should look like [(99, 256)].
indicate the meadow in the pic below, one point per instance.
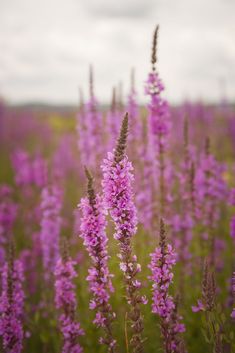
[(117, 225)]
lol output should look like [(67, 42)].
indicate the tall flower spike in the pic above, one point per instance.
[(118, 197), (162, 261), (92, 229), (65, 301), (134, 120), (12, 305), (158, 131), (92, 147), (207, 303), (51, 204), (120, 98), (113, 120)]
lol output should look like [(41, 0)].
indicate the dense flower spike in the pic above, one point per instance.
[(208, 291), (209, 306), (118, 197), (51, 203), (162, 261), (93, 224), (158, 127), (11, 306), (65, 300)]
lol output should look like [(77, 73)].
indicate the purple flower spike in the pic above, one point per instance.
[(162, 261), (92, 228), (118, 198), (51, 204)]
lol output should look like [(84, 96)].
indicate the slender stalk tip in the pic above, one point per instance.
[(162, 241), (65, 250), (207, 145), (154, 48), (90, 187), (114, 100), (186, 131), (91, 81), (133, 79), (122, 140)]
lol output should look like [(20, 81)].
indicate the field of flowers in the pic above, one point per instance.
[(117, 226)]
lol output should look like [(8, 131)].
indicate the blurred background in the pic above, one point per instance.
[(46, 48)]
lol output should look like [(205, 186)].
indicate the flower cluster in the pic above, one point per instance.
[(93, 224), (65, 300), (11, 307), (162, 261), (118, 198), (51, 203)]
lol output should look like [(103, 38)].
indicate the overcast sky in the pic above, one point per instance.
[(46, 47)]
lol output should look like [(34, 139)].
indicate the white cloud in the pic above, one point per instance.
[(47, 46)]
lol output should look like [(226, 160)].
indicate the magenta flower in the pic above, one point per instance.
[(93, 224), (65, 300), (118, 198), (11, 307)]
